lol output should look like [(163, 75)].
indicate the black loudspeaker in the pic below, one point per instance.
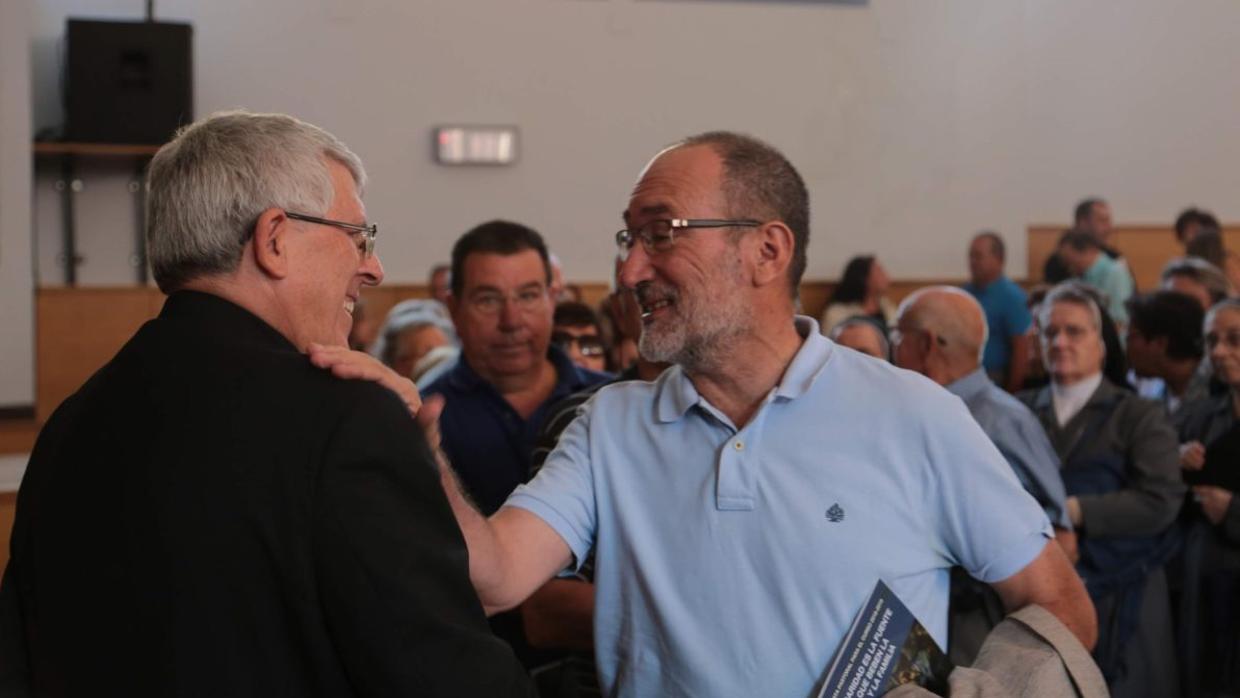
[(128, 82)]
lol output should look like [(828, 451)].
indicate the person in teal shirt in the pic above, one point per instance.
[(1083, 255), (1006, 357)]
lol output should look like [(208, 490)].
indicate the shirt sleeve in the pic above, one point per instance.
[(989, 524), (1018, 317), (562, 494), (1041, 465)]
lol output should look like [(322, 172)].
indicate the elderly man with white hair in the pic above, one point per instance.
[(418, 340)]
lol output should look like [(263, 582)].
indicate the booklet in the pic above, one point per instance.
[(885, 647)]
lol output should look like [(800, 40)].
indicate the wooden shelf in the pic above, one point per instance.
[(94, 149)]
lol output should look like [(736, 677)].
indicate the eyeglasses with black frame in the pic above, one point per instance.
[(587, 344), (660, 234), (368, 232)]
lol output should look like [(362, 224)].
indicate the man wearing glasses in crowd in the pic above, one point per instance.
[(211, 514), (577, 332), (509, 373), (743, 506)]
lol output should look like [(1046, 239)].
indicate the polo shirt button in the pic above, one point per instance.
[(738, 446)]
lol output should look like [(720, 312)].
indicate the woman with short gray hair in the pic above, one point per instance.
[(1122, 476)]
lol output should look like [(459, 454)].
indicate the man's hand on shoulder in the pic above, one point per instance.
[(356, 365)]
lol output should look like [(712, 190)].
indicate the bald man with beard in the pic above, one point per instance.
[(941, 333)]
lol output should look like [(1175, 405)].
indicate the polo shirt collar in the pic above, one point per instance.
[(970, 385), (809, 361), (675, 394)]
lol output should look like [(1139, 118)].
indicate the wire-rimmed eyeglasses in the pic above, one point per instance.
[(367, 231), (660, 234)]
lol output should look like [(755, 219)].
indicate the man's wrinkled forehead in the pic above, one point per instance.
[(645, 212), (676, 172), (650, 163)]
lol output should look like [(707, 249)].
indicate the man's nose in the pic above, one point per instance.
[(510, 313), (635, 268), (372, 270)]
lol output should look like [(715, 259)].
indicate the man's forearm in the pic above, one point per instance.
[(511, 554), (485, 554), (1051, 582)]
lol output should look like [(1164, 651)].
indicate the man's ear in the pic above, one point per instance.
[(270, 239), (775, 246)]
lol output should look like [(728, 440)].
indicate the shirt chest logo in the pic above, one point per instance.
[(835, 514)]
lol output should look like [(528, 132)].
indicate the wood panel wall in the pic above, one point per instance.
[(8, 507), (1146, 247)]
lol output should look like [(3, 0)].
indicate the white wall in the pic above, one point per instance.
[(16, 282), (915, 122)]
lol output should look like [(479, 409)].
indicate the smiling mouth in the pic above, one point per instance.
[(348, 305), (649, 308)]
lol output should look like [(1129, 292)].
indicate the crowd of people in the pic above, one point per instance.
[(688, 490), (1129, 400)]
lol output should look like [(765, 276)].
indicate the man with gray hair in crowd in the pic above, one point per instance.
[(862, 334), (249, 523), (1196, 277), (941, 332)]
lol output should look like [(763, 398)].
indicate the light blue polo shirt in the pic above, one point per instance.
[(731, 563)]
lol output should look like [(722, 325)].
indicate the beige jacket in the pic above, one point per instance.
[(1029, 655)]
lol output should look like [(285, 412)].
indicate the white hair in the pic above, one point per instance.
[(858, 321), (207, 187), (1228, 304), (1076, 292)]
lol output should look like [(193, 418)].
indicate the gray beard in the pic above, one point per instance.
[(698, 341)]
